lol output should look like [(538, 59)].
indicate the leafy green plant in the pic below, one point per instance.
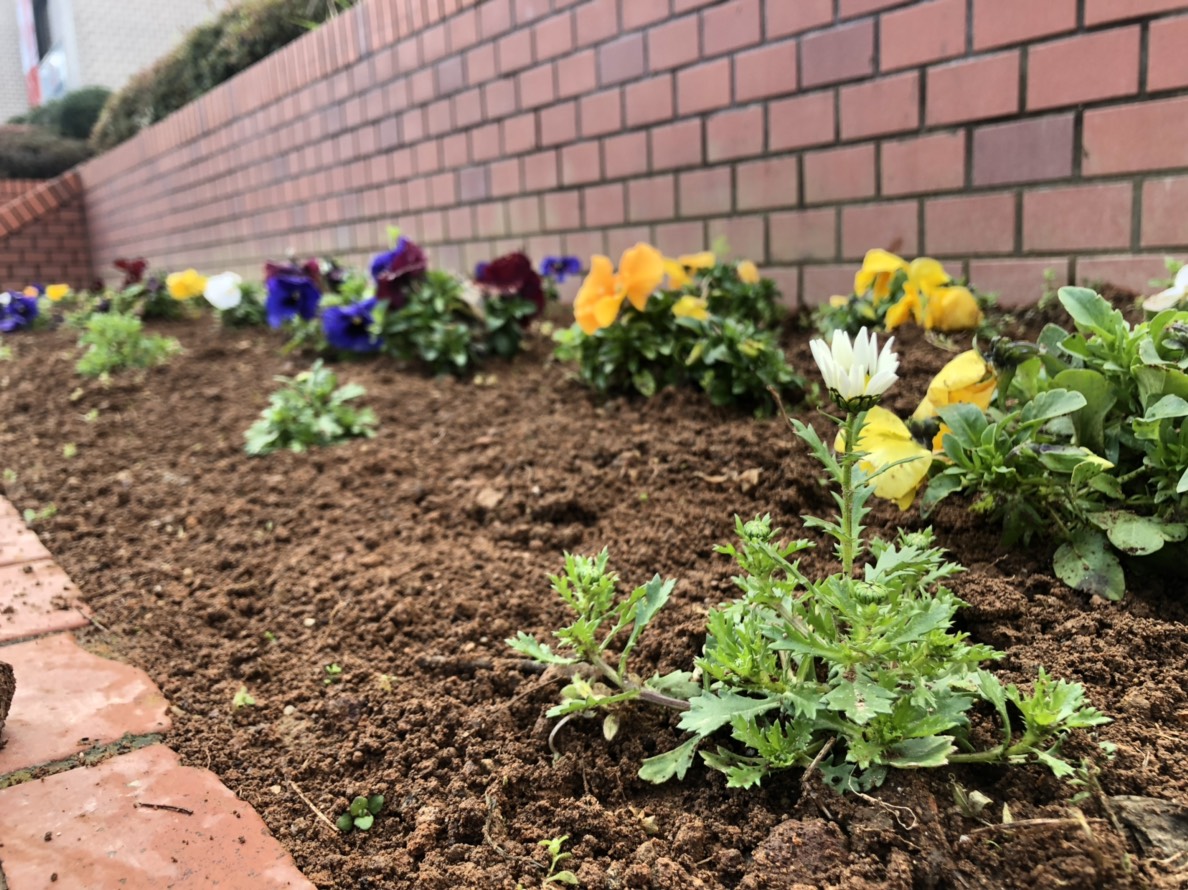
[(333, 674), (116, 342), (242, 699), (29, 152), (41, 514), (73, 116), (310, 410), (556, 857), (1089, 440), (853, 674), (360, 815)]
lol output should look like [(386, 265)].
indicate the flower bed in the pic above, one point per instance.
[(360, 597)]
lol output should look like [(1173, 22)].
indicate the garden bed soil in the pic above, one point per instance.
[(408, 559)]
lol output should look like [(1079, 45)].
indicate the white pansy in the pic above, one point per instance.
[(1171, 297), (5, 298), (223, 291), (855, 370)]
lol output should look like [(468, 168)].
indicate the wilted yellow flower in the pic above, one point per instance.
[(57, 292), (878, 269), (691, 307), (185, 285), (968, 378), (641, 269), (885, 439), (680, 271), (952, 309), (748, 272)]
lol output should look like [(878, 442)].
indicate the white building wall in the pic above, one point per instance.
[(12, 81)]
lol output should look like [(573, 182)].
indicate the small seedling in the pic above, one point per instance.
[(32, 517), (91, 416), (565, 876), (242, 699), (10, 476), (69, 450), (333, 674), (269, 636), (5, 353), (969, 803), (361, 814)]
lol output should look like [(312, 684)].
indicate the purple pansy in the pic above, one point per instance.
[(349, 327), (292, 293), (16, 311), (513, 275), (396, 270), (560, 267)]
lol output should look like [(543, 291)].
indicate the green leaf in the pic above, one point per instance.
[(1137, 535), (1050, 404), (861, 700), (1086, 563), (925, 753), (364, 822), (1089, 420), (1090, 310), (375, 803), (664, 766), (1167, 407), (563, 877), (345, 822), (712, 710), (645, 383), (966, 423), (678, 684), (530, 646)]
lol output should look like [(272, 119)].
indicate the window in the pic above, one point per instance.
[(42, 23)]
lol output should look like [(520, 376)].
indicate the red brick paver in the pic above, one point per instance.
[(137, 821)]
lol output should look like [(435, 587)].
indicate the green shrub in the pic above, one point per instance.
[(211, 54), (28, 152), (310, 410), (115, 342), (73, 116)]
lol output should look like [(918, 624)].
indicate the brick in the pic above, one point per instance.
[(562, 210), (745, 236), (605, 205), (784, 18), (705, 192), (480, 64), (651, 199), (460, 223), (1135, 137), (770, 71), (90, 812), (879, 107), (585, 244), (1167, 63), (473, 184), (734, 134), (1077, 217), (932, 163), (518, 134), (824, 281), (973, 224), (621, 239), (1024, 151), (922, 33), (1002, 22), (541, 171), (537, 86), (1164, 222), (649, 101), (1017, 282), (514, 52), (704, 87), (577, 74), (463, 30), (530, 10), (468, 108), (673, 239), (597, 20), (676, 145), (17, 543), (839, 174), (625, 155), (495, 17), (484, 143), (36, 597), (838, 54), (964, 91), (1133, 271), (1098, 12), (553, 37), (506, 178), (621, 59), (892, 226), (499, 98), (1057, 73), (558, 124), (771, 182), (731, 26), (635, 15), (581, 163), (800, 121), (56, 703), (803, 235), (490, 220), (673, 44), (601, 113)]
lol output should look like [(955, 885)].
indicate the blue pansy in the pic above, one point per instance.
[(349, 327), (480, 270), (560, 267), (16, 311), (291, 294)]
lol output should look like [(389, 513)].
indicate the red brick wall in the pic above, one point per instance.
[(1007, 137), (43, 236), (14, 188)]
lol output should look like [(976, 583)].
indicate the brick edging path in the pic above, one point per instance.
[(90, 796)]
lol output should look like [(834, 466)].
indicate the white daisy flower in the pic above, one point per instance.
[(856, 371), (1171, 297)]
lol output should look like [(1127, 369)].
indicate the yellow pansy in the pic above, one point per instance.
[(907, 307), (837, 301), (968, 379), (185, 285), (885, 439), (57, 292), (878, 269), (680, 271), (691, 307), (952, 309), (924, 276), (31, 291), (641, 269), (748, 272)]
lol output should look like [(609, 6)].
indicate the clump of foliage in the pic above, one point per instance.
[(854, 674), (889, 291), (713, 327), (210, 54), (310, 410), (360, 815), (28, 152), (1088, 441), (72, 117), (115, 342)]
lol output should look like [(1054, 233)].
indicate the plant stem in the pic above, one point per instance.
[(645, 694), (849, 534)]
